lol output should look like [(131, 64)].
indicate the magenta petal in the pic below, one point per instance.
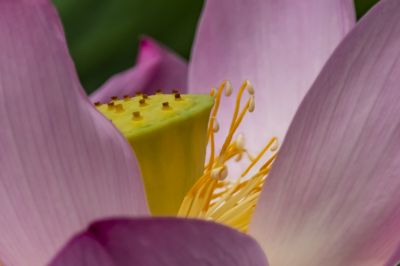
[(161, 241), (156, 68), (83, 250), (280, 46), (62, 164), (332, 197)]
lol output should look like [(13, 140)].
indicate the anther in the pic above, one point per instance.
[(252, 104), (119, 108), (219, 173), (250, 88), (175, 91), (145, 96), (212, 92), (142, 102), (127, 97), (238, 157), (114, 98), (240, 141), (136, 116), (215, 126), (178, 96), (274, 146), (158, 91), (138, 93), (97, 103), (228, 88), (165, 106), (110, 106)]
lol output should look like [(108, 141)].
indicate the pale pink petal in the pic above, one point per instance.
[(62, 164), (332, 197), (156, 68), (280, 46), (160, 241)]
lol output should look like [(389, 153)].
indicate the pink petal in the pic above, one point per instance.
[(62, 164), (160, 241), (280, 46), (395, 259), (332, 197), (156, 68)]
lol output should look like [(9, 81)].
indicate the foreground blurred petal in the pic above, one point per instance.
[(280, 46), (332, 197), (156, 68), (62, 164), (395, 259), (160, 241)]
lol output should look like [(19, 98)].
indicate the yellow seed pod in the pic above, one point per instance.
[(168, 133)]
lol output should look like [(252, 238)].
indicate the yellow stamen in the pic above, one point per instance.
[(272, 142), (216, 198), (235, 121)]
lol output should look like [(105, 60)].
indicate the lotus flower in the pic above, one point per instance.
[(331, 197)]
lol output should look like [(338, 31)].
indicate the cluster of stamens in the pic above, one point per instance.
[(216, 197)]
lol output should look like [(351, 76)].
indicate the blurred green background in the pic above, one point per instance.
[(103, 35)]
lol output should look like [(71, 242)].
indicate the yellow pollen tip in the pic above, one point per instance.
[(228, 89), (216, 126), (220, 173), (250, 88), (240, 141), (212, 92)]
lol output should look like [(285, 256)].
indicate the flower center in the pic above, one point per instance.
[(168, 133), (214, 196)]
